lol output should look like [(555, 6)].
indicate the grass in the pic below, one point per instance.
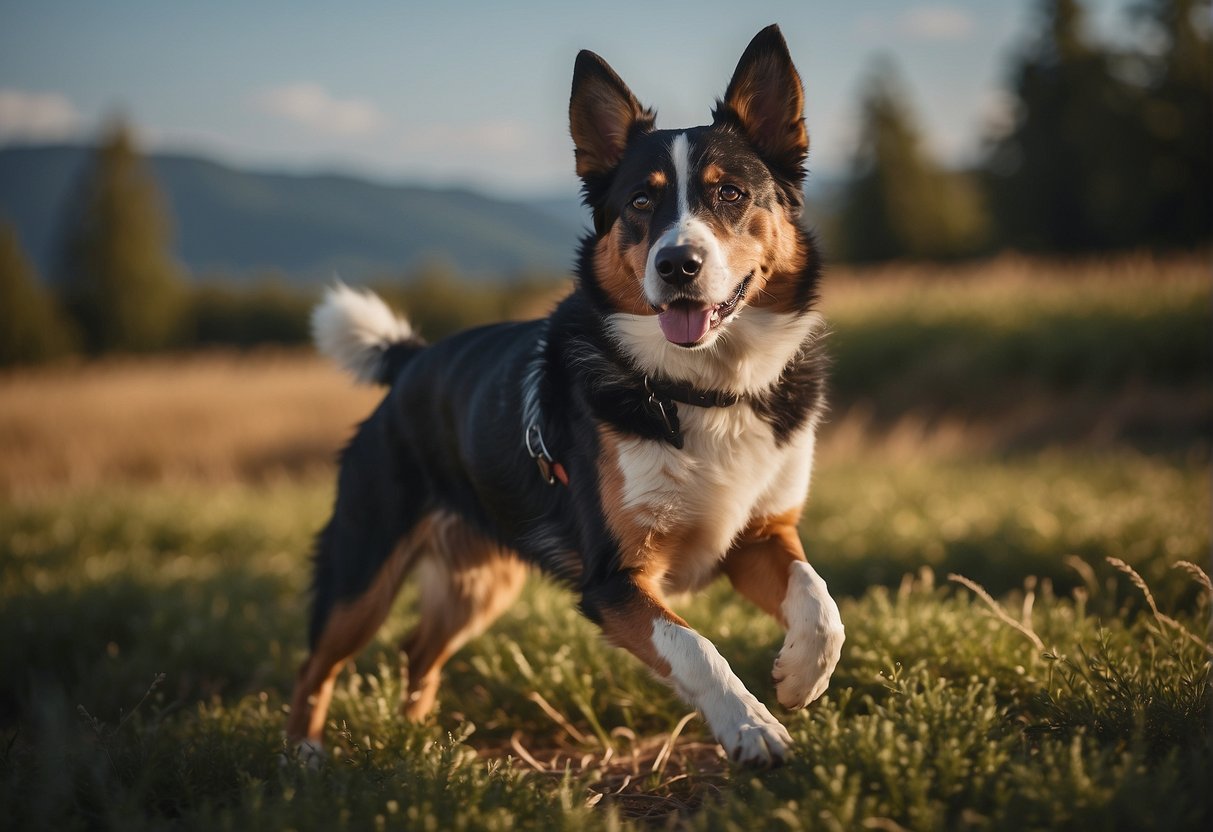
[(940, 713), (1027, 634)]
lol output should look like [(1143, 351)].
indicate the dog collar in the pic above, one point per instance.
[(685, 393), (664, 397)]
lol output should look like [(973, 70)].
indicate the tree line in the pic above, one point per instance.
[(118, 288), (1105, 148)]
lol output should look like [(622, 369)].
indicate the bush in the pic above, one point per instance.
[(270, 312)]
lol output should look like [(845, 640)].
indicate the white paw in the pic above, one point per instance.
[(756, 739), (740, 723), (814, 642)]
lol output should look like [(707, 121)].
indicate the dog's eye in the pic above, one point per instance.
[(641, 202), (729, 193)]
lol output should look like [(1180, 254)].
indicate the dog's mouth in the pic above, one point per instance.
[(687, 322)]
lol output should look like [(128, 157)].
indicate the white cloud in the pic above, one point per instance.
[(924, 22), (936, 23), (312, 106), (37, 115)]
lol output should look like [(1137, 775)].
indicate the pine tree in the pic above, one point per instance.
[(31, 327), (898, 202), (119, 281), (1177, 122), (1063, 177)]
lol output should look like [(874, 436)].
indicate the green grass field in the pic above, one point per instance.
[(152, 624)]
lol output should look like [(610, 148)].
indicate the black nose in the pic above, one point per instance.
[(679, 264)]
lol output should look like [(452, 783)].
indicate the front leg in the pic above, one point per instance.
[(767, 565), (633, 616)]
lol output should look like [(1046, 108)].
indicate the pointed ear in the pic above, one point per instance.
[(603, 114), (766, 99)]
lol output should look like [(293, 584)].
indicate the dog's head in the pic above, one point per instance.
[(690, 226)]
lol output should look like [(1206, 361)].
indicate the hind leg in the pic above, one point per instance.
[(465, 584), (341, 631)]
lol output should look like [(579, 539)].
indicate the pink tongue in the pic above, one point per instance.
[(682, 323)]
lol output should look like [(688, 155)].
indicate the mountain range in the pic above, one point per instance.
[(242, 223)]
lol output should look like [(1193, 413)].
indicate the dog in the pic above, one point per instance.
[(655, 431)]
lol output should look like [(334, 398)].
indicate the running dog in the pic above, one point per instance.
[(654, 432)]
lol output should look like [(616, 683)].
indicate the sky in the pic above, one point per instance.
[(475, 94)]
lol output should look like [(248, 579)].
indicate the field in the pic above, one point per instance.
[(1011, 504)]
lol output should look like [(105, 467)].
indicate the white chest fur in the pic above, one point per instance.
[(729, 472)]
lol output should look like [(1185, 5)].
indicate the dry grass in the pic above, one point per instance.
[(218, 418), (204, 418)]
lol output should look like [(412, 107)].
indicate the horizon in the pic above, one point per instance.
[(256, 88)]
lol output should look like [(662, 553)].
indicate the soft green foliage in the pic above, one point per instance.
[(940, 714), (438, 301), (898, 203), (267, 312), (31, 326), (119, 281)]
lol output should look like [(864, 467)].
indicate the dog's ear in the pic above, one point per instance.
[(766, 100), (603, 115)]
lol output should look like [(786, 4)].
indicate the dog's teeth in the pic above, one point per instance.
[(715, 315)]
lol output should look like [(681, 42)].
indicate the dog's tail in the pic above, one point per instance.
[(358, 331)]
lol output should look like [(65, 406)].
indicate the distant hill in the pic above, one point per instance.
[(241, 223)]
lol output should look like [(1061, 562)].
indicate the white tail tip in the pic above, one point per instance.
[(354, 328)]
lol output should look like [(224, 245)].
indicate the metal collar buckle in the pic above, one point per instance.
[(657, 403), (549, 468)]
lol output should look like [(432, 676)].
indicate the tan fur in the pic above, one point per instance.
[(712, 173), (479, 580), (349, 628), (620, 273), (631, 627), (769, 247), (642, 547), (466, 585), (759, 562)]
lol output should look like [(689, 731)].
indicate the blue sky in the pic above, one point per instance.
[(475, 93)]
